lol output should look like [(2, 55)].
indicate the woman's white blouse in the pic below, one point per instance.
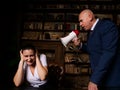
[(34, 80)]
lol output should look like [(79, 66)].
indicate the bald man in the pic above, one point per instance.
[(102, 46)]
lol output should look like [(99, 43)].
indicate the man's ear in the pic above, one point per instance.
[(91, 19)]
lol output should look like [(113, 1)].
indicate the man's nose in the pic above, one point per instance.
[(80, 24)]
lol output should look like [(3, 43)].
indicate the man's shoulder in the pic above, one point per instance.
[(106, 21)]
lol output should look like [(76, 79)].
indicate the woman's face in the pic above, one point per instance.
[(29, 56)]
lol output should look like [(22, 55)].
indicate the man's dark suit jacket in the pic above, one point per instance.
[(102, 46)]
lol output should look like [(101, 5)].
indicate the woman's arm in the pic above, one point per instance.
[(19, 75), (42, 70)]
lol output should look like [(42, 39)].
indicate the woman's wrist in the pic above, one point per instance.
[(21, 62)]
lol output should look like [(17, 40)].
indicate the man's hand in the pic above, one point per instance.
[(92, 86), (76, 41)]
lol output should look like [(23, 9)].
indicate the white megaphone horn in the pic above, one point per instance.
[(69, 37)]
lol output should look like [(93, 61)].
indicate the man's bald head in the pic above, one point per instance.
[(88, 13), (86, 19)]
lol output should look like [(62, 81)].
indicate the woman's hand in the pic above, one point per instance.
[(37, 55), (21, 56)]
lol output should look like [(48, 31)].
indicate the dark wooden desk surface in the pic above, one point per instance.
[(51, 88), (32, 88)]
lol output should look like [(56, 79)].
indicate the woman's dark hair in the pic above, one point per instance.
[(28, 46)]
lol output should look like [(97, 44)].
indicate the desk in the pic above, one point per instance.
[(32, 88)]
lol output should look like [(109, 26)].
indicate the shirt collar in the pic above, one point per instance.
[(94, 24)]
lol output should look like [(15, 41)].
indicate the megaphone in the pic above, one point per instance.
[(65, 40)]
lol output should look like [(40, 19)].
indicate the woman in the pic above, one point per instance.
[(31, 68)]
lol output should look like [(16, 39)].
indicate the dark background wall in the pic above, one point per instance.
[(9, 40)]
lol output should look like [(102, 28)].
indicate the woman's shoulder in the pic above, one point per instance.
[(42, 54)]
